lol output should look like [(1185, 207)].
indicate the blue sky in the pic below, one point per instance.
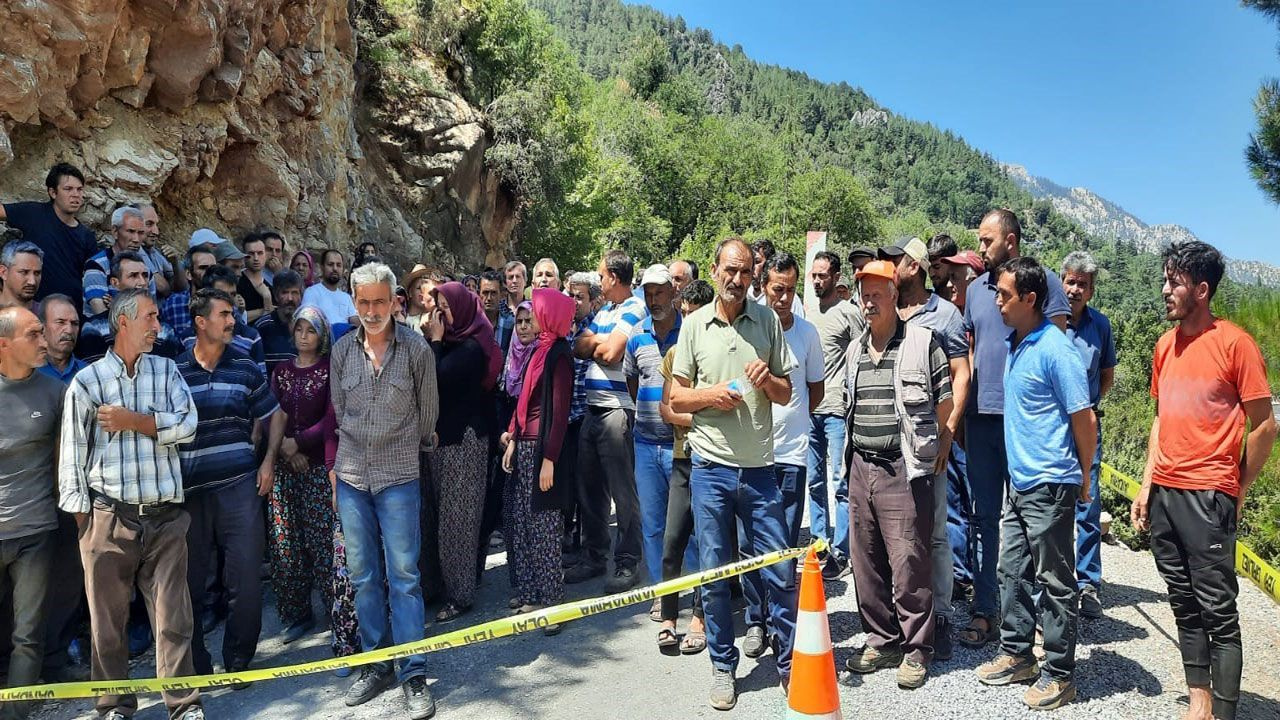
[(1147, 103)]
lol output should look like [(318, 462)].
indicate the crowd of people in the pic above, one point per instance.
[(250, 401)]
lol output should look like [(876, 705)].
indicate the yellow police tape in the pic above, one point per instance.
[(1248, 563), (492, 630)]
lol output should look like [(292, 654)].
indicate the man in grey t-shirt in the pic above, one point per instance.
[(28, 436)]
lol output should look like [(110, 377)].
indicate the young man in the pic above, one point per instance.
[(119, 468), (61, 331), (790, 428), (275, 254), (328, 295), (731, 366), (174, 311), (1051, 436), (605, 450), (221, 479), (761, 252), (491, 298), (67, 244), (275, 327), (899, 402), (386, 403), (941, 246), (129, 231), (21, 265), (253, 285), (1208, 377)]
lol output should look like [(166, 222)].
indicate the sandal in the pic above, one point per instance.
[(655, 611), (974, 636), (693, 643), (449, 612), (515, 603), (667, 638)]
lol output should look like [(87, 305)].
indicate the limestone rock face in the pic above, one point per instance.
[(235, 114)]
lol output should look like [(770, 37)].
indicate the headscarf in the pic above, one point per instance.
[(554, 312), (469, 321), (517, 355), (310, 278), (312, 314)]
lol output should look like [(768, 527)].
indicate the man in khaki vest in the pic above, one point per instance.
[(899, 385)]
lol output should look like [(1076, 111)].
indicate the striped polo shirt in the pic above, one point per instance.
[(227, 400), (643, 362), (607, 384), (875, 425)]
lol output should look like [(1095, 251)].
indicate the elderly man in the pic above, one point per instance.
[(962, 269), (119, 473), (584, 288), (731, 366), (682, 272), (129, 231), (899, 389), (386, 402), (160, 258), (546, 274), (61, 331), (21, 265)]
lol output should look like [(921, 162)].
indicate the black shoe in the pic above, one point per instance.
[(835, 567), (942, 645), (421, 705), (583, 572), (1090, 606), (209, 620), (624, 578), (235, 668), (297, 630), (371, 682), (754, 643)]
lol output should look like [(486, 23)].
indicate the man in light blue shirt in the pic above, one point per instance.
[(1051, 435)]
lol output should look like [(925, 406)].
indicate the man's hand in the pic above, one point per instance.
[(944, 451), (81, 520), (757, 373), (1138, 511), (115, 418), (274, 264), (266, 476), (723, 398), (547, 477), (239, 302), (1086, 487), (1240, 506)]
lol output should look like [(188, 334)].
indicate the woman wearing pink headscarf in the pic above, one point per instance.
[(303, 264), (533, 441)]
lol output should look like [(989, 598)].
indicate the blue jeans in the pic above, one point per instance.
[(791, 483), (958, 514), (751, 495), (988, 476), (653, 484), (1089, 529), (826, 448), (377, 525)]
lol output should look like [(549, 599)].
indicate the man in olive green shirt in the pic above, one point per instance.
[(731, 365)]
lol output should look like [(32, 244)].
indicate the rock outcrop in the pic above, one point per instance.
[(234, 114)]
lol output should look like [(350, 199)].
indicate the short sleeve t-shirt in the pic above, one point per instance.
[(252, 298), (712, 351), (983, 322), (1092, 337), (335, 304), (607, 384), (1200, 384), (947, 324), (28, 436), (643, 363), (66, 249), (838, 326), (680, 433), (791, 421)]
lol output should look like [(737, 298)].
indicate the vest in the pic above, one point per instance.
[(912, 399)]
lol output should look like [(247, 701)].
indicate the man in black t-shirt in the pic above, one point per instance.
[(52, 226)]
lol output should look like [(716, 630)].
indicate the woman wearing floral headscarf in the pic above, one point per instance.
[(532, 442), (304, 534)]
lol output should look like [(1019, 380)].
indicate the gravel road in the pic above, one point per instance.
[(608, 666)]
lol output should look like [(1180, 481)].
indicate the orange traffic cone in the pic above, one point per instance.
[(813, 691)]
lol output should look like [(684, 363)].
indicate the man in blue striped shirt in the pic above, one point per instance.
[(221, 477), (605, 460), (244, 340), (646, 347)]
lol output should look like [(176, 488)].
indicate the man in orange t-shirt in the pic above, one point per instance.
[(1208, 377)]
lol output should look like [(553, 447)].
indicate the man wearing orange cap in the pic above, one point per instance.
[(899, 387)]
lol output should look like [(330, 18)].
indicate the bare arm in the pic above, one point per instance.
[(670, 416), (1106, 380), (816, 391), (585, 346), (1257, 444), (687, 399), (1084, 427), (633, 386), (1138, 510), (961, 377), (1060, 321), (610, 350)]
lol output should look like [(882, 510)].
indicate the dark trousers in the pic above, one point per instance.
[(228, 519), (1037, 550), (65, 608), (988, 475), (606, 458), (677, 537), (567, 478), (25, 563), (892, 520), (1193, 538), (791, 483)]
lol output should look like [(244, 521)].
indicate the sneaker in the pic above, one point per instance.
[(1006, 669), (724, 690), (582, 572), (195, 712), (942, 643), (911, 674), (835, 567), (298, 629), (421, 704), (1090, 606), (1049, 693), (753, 644), (624, 578), (114, 715), (869, 660), (372, 681)]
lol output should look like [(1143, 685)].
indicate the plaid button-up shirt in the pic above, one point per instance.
[(385, 417), (125, 466)]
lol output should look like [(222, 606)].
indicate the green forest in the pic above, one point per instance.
[(618, 126)]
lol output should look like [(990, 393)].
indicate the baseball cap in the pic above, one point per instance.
[(967, 257), (862, 251), (205, 236), (878, 268), (656, 274), (913, 247), (227, 251)]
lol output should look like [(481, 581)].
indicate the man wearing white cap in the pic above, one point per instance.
[(642, 364)]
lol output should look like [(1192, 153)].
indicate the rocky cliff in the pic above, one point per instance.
[(233, 114)]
